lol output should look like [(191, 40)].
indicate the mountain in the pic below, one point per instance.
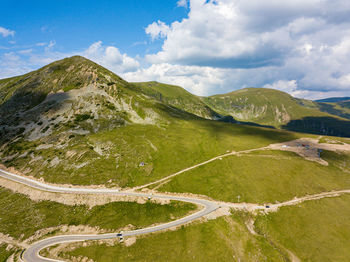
[(70, 93), (262, 106), (341, 108), (76, 122), (178, 97), (270, 107), (24, 92), (333, 99)]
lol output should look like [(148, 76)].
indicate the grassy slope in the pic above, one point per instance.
[(114, 146), (259, 105), (223, 239), (20, 217), (178, 97), (314, 231), (5, 252), (165, 150), (260, 179), (278, 109), (341, 109), (24, 92)]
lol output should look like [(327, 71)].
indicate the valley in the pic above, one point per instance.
[(86, 155)]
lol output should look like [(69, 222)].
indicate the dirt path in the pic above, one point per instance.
[(11, 241), (212, 210), (307, 148), (296, 201), (165, 179)]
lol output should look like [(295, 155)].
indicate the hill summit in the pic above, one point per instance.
[(24, 92)]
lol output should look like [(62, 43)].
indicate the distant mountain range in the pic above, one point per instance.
[(26, 95), (333, 100), (73, 117), (257, 106)]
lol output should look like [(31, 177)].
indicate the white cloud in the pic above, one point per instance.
[(111, 58), (6, 32), (25, 60), (25, 51), (197, 80), (182, 3), (157, 30), (300, 44)]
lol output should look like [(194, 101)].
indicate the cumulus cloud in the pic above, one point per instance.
[(298, 46), (6, 32), (157, 30), (25, 60), (302, 44), (110, 57), (197, 80)]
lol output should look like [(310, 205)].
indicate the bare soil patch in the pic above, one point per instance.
[(309, 148)]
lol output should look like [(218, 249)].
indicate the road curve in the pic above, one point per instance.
[(32, 253)]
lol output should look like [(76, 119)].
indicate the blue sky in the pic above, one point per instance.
[(74, 25), (206, 46)]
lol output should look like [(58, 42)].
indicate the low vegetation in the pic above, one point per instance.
[(313, 231), (264, 177), (270, 107), (177, 97), (6, 252), (223, 239), (75, 122), (113, 157), (21, 217)]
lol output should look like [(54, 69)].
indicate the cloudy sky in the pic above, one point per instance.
[(206, 46)]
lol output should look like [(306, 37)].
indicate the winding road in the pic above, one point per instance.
[(32, 253)]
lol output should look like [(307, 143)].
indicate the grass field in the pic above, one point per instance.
[(5, 253), (264, 176), (164, 149), (20, 217), (334, 140), (314, 231), (262, 106), (178, 97), (223, 239)]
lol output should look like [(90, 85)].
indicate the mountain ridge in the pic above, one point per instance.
[(333, 99), (105, 130), (255, 106)]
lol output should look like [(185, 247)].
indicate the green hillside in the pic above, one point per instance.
[(74, 122), (178, 97), (264, 177), (341, 109), (24, 92), (270, 107), (101, 131), (29, 216), (314, 231), (223, 239)]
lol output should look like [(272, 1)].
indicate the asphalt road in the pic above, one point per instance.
[(32, 253)]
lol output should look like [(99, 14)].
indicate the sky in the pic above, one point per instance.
[(206, 46)]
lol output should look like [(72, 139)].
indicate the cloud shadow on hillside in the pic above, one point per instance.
[(329, 126), (330, 108)]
